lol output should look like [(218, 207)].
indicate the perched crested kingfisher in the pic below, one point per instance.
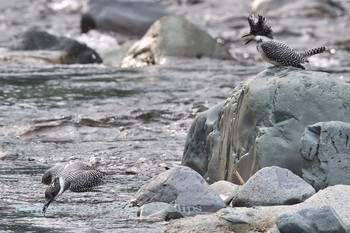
[(274, 51)]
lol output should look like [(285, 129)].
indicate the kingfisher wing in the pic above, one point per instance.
[(74, 166), (85, 180), (282, 53), (61, 169)]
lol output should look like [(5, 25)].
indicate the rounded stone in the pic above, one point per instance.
[(273, 186)]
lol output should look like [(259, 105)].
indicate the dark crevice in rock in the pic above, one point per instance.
[(335, 147)]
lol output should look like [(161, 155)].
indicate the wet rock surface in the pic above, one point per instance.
[(183, 187), (325, 153), (132, 123), (273, 186), (262, 122), (75, 52), (173, 36)]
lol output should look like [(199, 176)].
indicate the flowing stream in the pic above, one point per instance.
[(130, 123)]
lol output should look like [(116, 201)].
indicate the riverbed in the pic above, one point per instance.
[(130, 123)]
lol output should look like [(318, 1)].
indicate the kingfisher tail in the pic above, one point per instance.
[(315, 51)]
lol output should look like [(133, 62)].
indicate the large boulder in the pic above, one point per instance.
[(261, 124), (196, 153), (183, 187), (325, 152), (126, 17), (173, 36), (73, 51), (273, 186)]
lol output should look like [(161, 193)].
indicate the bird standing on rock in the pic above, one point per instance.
[(75, 176), (274, 51)]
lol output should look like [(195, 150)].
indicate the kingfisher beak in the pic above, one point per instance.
[(249, 39), (46, 205)]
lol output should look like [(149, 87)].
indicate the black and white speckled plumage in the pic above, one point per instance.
[(278, 53), (49, 176), (273, 51), (75, 176), (84, 180)]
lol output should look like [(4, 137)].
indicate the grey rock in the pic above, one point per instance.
[(325, 150), (337, 197), (173, 215), (226, 190), (160, 211), (273, 186), (130, 18), (203, 127), (199, 224), (182, 186), (261, 124), (238, 218), (75, 52), (173, 36), (263, 218), (312, 220)]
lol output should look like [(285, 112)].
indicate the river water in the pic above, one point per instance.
[(130, 123)]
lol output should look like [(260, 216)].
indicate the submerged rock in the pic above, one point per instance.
[(325, 151), (183, 187), (75, 52), (173, 36), (261, 124), (312, 220), (131, 18)]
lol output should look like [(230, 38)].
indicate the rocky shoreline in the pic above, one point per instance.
[(266, 132), (272, 157)]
